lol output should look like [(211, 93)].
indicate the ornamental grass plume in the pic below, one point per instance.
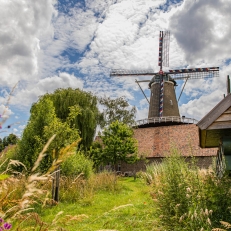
[(224, 224), (18, 194)]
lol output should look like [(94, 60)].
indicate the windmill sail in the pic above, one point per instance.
[(163, 102), (164, 53)]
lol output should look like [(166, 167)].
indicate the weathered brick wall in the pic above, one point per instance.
[(157, 141)]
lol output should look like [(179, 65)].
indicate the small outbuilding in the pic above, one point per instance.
[(216, 124), (215, 131)]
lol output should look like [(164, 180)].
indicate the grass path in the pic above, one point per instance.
[(128, 209)]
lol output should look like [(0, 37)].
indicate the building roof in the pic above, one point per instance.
[(216, 124)]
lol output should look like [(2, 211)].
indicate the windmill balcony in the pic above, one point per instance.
[(164, 121)]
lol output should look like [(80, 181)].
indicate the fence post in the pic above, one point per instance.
[(55, 185)]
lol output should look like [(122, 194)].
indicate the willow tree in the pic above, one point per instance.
[(86, 121)]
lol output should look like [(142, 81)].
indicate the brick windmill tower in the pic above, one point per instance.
[(164, 124)]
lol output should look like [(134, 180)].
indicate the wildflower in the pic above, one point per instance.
[(7, 226), (188, 190), (208, 220), (4, 226)]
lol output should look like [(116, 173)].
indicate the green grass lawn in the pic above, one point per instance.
[(128, 208)]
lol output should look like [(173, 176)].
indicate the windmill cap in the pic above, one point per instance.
[(157, 78)]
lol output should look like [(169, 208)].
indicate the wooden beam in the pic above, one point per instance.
[(228, 110), (202, 134), (220, 125), (224, 117)]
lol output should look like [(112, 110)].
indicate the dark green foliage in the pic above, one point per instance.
[(116, 109), (95, 154), (86, 121), (118, 144)]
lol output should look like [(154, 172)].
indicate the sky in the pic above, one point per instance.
[(50, 44)]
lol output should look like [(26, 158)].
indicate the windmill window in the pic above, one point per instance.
[(171, 102)]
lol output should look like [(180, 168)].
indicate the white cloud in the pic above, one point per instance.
[(202, 29), (5, 111), (21, 127), (47, 85), (198, 108), (128, 36), (142, 114), (22, 22), (15, 130), (76, 29)]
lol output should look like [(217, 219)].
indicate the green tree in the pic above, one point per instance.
[(116, 109), (86, 121), (11, 139), (118, 144), (95, 154), (43, 123)]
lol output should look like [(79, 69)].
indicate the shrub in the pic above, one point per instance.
[(76, 164)]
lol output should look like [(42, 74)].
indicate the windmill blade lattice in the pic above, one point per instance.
[(164, 39), (194, 73), (123, 72)]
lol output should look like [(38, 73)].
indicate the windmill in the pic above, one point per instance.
[(163, 102)]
